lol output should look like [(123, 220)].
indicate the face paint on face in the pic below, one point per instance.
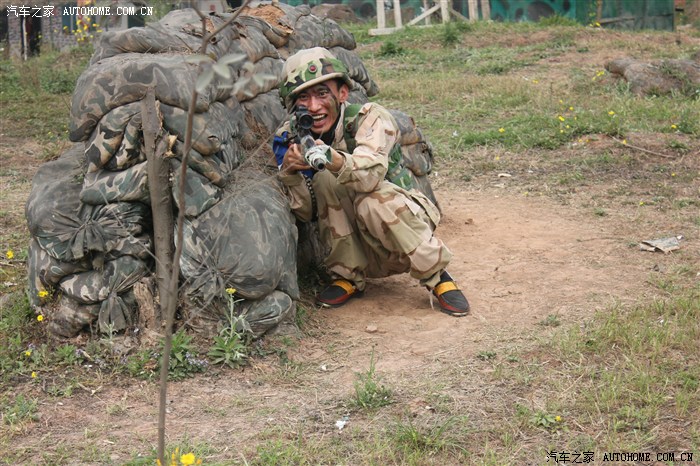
[(323, 102)]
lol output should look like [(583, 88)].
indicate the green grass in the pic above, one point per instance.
[(26, 87)]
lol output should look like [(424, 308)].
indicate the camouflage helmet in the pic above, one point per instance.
[(307, 68)]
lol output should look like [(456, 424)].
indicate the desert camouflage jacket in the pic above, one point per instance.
[(366, 164)]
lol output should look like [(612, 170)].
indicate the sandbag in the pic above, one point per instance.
[(356, 69), (179, 32), (254, 43), (221, 122), (208, 166), (247, 241), (265, 313), (264, 114), (410, 133), (106, 186), (200, 193), (418, 157), (311, 31), (266, 76), (124, 78), (108, 287), (71, 231), (44, 272), (107, 137), (273, 30), (69, 317)]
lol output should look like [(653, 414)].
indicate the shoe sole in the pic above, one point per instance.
[(356, 294)]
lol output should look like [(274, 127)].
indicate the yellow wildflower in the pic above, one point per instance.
[(501, 130), (641, 202), (10, 254), (611, 113), (230, 291), (535, 81), (561, 118), (40, 318), (28, 353), (557, 418), (187, 459), (43, 293), (673, 174), (33, 375), (571, 109), (624, 141), (674, 127)]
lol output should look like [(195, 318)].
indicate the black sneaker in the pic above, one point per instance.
[(452, 301), (338, 293)]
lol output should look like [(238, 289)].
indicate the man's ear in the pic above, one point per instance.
[(343, 92)]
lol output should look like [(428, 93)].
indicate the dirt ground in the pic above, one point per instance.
[(519, 258)]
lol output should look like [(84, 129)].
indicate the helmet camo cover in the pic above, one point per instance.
[(307, 68)]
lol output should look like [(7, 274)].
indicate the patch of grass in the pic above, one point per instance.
[(19, 411), (390, 48), (558, 20), (552, 320), (370, 393), (421, 441)]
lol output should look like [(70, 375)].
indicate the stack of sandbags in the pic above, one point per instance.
[(89, 211)]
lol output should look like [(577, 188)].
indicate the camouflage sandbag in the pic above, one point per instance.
[(264, 114), (55, 196), (209, 129), (274, 31), (139, 246), (106, 186), (266, 75), (200, 193), (107, 137), (109, 287), (265, 313), (254, 43), (356, 69), (231, 155), (71, 231), (410, 133), (131, 151), (69, 317), (311, 31), (124, 79), (247, 241), (209, 166), (44, 272), (178, 31), (418, 157)]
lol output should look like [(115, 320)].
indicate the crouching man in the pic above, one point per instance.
[(370, 218)]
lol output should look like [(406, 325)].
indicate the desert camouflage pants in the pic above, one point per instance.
[(377, 234)]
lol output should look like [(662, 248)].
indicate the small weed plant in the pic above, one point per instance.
[(184, 360), (231, 346), (370, 393)]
